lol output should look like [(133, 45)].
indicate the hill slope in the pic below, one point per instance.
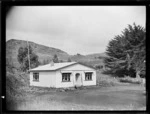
[(44, 52), (47, 53)]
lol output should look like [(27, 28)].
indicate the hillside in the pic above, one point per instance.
[(97, 55), (44, 52), (47, 53), (90, 60)]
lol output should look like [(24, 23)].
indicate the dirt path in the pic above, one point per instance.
[(129, 97)]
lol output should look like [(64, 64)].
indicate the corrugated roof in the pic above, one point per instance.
[(56, 66)]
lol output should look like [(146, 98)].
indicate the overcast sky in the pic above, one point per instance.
[(74, 29)]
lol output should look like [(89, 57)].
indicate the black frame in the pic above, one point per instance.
[(4, 4)]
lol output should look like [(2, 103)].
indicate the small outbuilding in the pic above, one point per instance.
[(61, 75)]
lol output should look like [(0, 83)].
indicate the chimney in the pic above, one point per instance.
[(52, 63)]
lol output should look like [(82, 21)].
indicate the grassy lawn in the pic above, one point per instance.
[(129, 97), (109, 94)]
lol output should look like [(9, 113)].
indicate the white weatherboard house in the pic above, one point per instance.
[(61, 75)]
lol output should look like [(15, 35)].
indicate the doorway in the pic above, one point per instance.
[(78, 79)]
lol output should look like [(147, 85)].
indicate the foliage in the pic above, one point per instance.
[(61, 61), (130, 80), (127, 52), (55, 59), (15, 81), (105, 80), (99, 67), (78, 54), (45, 61), (10, 65), (69, 60), (23, 58)]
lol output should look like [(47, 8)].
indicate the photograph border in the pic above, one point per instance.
[(5, 6)]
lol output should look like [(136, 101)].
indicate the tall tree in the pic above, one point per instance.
[(127, 51), (23, 58)]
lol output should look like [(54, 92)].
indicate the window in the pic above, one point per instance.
[(36, 77), (66, 77), (88, 76)]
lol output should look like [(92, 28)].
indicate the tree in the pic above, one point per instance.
[(127, 52), (78, 54), (44, 62), (69, 60), (23, 58), (55, 59)]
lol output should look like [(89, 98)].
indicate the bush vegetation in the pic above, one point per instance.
[(128, 79), (104, 80), (24, 56)]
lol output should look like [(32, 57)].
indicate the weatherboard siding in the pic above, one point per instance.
[(46, 79)]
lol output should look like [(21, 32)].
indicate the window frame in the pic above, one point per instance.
[(88, 76), (66, 77), (36, 74)]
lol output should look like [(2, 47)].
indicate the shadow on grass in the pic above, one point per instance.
[(10, 105)]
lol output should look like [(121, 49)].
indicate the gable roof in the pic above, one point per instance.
[(56, 66)]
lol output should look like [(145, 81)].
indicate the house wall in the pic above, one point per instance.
[(46, 79), (90, 82), (73, 70), (59, 83)]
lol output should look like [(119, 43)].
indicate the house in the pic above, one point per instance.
[(61, 75)]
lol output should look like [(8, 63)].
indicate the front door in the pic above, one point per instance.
[(78, 79)]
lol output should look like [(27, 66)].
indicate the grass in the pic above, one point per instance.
[(128, 79), (53, 105), (106, 80), (107, 98)]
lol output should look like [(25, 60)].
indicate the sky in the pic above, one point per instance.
[(73, 29)]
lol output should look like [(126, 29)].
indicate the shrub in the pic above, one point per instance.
[(130, 80)]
